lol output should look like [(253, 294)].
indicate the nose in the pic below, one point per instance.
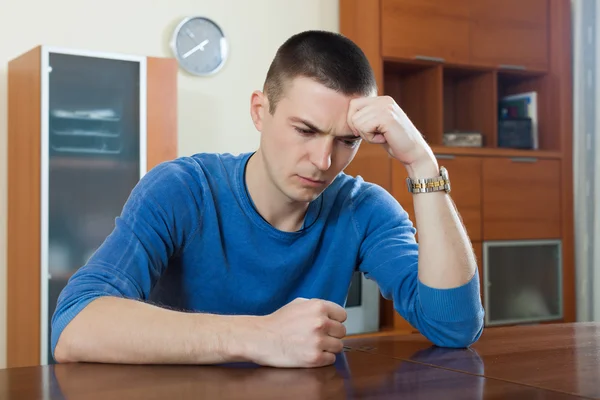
[(321, 153)]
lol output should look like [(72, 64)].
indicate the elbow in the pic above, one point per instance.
[(63, 351), (457, 337)]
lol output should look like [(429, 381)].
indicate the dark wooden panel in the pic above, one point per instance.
[(23, 238)]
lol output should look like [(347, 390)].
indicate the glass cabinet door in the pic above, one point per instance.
[(523, 281), (96, 155)]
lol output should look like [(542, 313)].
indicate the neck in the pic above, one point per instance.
[(272, 204)]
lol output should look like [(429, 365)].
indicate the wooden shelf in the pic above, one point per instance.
[(495, 152)]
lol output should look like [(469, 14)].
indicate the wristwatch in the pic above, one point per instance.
[(428, 185)]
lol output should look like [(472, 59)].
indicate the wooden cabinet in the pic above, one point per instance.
[(83, 127), (425, 29), (465, 175), (521, 199), (447, 63), (509, 33), (372, 163)]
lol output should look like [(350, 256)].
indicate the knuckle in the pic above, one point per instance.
[(320, 306), (319, 324)]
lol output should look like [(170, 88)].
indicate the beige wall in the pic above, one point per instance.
[(213, 112)]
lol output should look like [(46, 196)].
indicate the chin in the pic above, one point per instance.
[(306, 195)]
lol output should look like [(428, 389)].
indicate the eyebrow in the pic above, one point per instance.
[(317, 130)]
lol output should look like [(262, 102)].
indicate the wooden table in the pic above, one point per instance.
[(546, 361)]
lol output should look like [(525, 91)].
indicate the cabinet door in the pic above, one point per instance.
[(465, 178), (425, 29), (372, 163), (95, 158), (521, 199), (510, 33)]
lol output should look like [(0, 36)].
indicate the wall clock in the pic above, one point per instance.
[(199, 45)]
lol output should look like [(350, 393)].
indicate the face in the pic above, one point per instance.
[(306, 143)]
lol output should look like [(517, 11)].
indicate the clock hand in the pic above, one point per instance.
[(196, 48)]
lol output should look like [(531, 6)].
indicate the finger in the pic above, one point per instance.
[(331, 345), (355, 106), (335, 311), (368, 126), (336, 329), (324, 359)]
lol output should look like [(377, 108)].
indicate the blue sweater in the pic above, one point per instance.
[(190, 238)]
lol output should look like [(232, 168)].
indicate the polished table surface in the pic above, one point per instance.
[(545, 362), (559, 357)]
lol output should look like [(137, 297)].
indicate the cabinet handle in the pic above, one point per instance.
[(445, 156), (428, 58), (516, 67), (524, 159)]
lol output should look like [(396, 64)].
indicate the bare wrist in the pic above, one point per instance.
[(238, 345), (424, 167)]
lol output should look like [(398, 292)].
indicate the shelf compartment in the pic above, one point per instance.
[(417, 88), (516, 82), (470, 102)]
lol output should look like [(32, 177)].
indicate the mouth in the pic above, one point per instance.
[(311, 182)]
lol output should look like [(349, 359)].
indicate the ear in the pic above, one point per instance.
[(259, 105)]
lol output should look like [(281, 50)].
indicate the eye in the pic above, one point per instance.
[(350, 142), (304, 131)]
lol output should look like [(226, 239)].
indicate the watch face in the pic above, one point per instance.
[(199, 46)]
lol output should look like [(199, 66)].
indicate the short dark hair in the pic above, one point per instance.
[(327, 57)]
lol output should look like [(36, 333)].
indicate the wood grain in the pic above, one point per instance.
[(355, 374), (521, 200), (499, 35), (372, 163), (411, 28), (564, 358), (360, 22), (161, 110), (23, 238), (561, 72), (418, 90), (470, 103)]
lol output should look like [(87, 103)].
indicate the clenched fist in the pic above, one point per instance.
[(303, 333), (381, 120)]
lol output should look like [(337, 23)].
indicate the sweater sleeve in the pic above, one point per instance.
[(389, 255), (161, 213)]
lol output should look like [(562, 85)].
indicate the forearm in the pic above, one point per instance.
[(446, 258), (117, 330)]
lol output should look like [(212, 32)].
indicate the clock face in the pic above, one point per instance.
[(200, 46)]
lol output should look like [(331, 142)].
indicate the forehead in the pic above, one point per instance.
[(306, 96)]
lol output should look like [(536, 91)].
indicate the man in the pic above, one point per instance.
[(222, 258)]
